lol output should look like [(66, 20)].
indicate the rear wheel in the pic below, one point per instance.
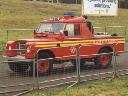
[(103, 60)]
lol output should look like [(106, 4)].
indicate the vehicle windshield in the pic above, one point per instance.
[(54, 28)]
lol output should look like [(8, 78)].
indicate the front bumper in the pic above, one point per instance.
[(16, 59)]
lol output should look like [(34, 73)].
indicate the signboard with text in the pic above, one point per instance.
[(100, 7)]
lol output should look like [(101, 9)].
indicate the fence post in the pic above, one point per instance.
[(7, 34), (126, 33), (35, 73), (114, 63), (76, 1), (57, 1), (105, 28), (36, 70), (78, 63)]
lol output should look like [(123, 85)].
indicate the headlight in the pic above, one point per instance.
[(28, 49), (9, 48)]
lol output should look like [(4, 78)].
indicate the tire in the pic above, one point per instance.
[(44, 66), (103, 60), (20, 67), (24, 67)]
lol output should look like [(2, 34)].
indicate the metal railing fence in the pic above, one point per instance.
[(69, 72), (14, 34), (61, 73), (119, 30)]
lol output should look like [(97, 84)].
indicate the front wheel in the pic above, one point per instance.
[(103, 60), (20, 67), (44, 64)]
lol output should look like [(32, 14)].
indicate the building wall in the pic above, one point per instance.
[(60, 1), (123, 3)]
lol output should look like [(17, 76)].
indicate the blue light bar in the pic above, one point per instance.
[(69, 13)]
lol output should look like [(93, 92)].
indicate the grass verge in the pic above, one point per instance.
[(118, 87), (28, 14), (15, 14)]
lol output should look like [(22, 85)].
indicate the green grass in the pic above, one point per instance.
[(15, 14), (117, 87), (28, 14)]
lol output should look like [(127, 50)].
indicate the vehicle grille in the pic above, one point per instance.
[(21, 48)]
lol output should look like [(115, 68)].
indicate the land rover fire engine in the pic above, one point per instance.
[(53, 38)]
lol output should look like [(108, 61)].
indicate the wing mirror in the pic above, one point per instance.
[(34, 32), (66, 33)]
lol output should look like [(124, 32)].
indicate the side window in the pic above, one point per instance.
[(70, 29), (77, 29)]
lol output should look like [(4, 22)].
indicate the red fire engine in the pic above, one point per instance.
[(61, 33)]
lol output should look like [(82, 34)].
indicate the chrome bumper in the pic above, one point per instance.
[(16, 59)]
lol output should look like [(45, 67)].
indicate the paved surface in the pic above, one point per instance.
[(11, 79)]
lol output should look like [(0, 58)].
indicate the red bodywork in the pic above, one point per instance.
[(47, 41)]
